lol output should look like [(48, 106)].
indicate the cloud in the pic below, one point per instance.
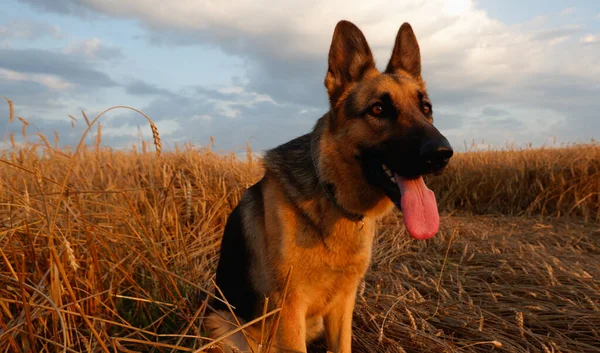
[(70, 7), (458, 42), (48, 84), (492, 111), (27, 29), (567, 11), (233, 114), (68, 68), (49, 81), (446, 121), (556, 33), (229, 101), (94, 49), (590, 39), (166, 127), (506, 123), (31, 95), (472, 63), (201, 117), (141, 88)]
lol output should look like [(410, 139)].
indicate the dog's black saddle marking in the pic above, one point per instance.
[(233, 270)]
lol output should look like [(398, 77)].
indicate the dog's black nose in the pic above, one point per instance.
[(435, 154)]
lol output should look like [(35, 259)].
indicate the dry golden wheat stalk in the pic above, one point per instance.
[(11, 110)]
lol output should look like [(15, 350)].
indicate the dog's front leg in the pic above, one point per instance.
[(291, 333), (338, 324)]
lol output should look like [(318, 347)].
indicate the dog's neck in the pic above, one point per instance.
[(329, 187), (341, 176)]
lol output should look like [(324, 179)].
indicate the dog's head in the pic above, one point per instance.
[(386, 121)]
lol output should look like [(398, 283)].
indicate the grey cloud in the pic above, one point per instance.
[(263, 124), (447, 95), (69, 7), (492, 111), (38, 102), (109, 53), (582, 115), (266, 126), (141, 88), (27, 29), (575, 98), (212, 93), (445, 121), (502, 123), (22, 88), (31, 94), (48, 62), (556, 33), (294, 79)]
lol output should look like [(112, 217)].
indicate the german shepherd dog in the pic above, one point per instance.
[(314, 211)]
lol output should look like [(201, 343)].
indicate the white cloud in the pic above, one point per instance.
[(165, 127), (454, 34), (249, 97), (235, 98), (94, 49), (458, 7), (590, 39), (247, 27), (50, 81), (567, 11)]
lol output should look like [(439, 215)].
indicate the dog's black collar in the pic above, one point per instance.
[(329, 190)]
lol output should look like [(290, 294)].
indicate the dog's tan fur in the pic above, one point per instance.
[(289, 222)]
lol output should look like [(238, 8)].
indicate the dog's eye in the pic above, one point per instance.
[(377, 109), (427, 108)]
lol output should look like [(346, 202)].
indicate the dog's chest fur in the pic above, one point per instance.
[(327, 253), (324, 263)]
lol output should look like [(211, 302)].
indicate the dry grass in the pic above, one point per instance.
[(548, 182), (113, 251), (526, 285)]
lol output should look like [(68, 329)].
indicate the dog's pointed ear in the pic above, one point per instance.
[(406, 55), (349, 58)]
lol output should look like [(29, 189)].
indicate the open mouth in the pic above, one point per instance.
[(411, 195)]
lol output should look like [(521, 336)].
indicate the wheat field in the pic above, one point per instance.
[(115, 251)]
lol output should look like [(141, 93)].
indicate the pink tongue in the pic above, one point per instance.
[(419, 207)]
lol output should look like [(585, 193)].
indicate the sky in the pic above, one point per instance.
[(498, 72)]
